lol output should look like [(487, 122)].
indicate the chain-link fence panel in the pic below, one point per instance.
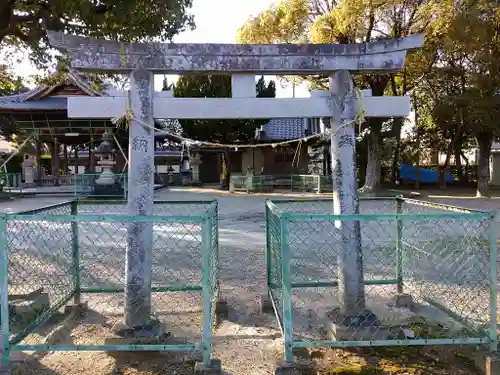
[(168, 261), (367, 205), (446, 263), (40, 268), (269, 183), (415, 206), (160, 208), (375, 277)]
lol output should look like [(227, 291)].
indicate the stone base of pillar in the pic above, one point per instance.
[(289, 368), (215, 368), (363, 326), (154, 330), (403, 300)]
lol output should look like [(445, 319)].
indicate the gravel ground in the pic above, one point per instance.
[(248, 342)]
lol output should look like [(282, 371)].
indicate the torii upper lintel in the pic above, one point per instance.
[(281, 59)]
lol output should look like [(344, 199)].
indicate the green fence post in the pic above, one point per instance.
[(399, 246), (493, 284), (75, 177), (75, 244), (268, 253), (287, 290), (4, 293), (123, 184), (206, 291), (216, 249)]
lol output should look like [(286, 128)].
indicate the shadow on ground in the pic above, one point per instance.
[(152, 363), (31, 366)]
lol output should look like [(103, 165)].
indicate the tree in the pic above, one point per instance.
[(476, 29), (9, 84), (461, 91), (352, 21), (24, 22), (240, 131)]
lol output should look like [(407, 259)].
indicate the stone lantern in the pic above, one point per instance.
[(170, 172), (29, 169), (106, 183)]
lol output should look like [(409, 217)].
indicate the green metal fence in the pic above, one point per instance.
[(84, 184), (12, 182), (444, 257), (267, 183), (74, 253)]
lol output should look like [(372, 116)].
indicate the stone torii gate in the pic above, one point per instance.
[(243, 62)]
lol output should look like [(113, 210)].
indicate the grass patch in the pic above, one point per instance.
[(357, 370), (397, 361)]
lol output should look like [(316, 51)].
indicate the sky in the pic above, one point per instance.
[(217, 21)]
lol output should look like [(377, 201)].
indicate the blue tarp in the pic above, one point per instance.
[(409, 172)]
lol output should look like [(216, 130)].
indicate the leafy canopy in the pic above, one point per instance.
[(351, 21), (9, 83), (23, 23)]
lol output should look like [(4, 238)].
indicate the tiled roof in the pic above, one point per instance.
[(25, 100), (283, 129)]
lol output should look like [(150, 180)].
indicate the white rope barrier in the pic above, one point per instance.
[(128, 116)]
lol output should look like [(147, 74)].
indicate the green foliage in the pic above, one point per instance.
[(283, 22), (357, 370), (14, 165), (9, 83), (24, 23), (221, 131)]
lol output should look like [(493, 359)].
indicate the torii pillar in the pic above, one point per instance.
[(140, 200), (142, 60)]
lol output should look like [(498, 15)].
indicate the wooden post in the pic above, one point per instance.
[(38, 162), (91, 161), (65, 151), (77, 160), (55, 162)]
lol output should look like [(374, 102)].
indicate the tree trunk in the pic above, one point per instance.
[(6, 12), (451, 146), (227, 170), (458, 161), (485, 140), (442, 171), (397, 126), (373, 167)]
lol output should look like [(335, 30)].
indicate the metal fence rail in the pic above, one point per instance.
[(443, 257), (75, 253)]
